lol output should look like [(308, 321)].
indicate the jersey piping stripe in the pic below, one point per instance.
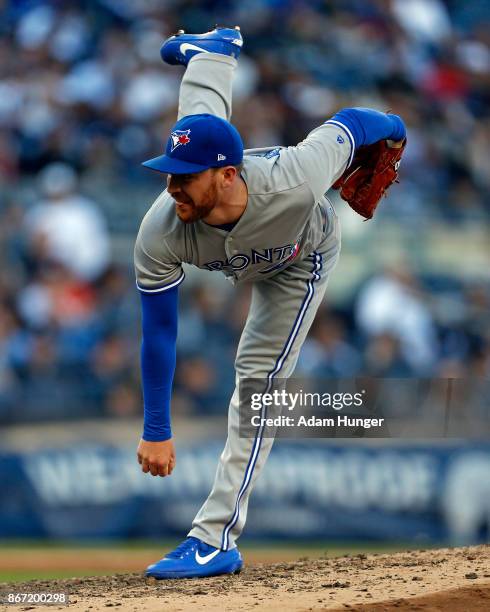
[(165, 288), (349, 134), (317, 266)]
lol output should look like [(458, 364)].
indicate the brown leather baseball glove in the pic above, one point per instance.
[(373, 169)]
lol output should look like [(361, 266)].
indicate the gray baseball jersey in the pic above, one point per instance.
[(288, 238), (285, 217)]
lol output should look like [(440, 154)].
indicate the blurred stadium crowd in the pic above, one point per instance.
[(84, 98)]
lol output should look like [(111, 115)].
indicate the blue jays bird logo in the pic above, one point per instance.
[(179, 137), (290, 251)]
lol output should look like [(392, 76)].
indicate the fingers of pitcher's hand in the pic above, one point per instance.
[(163, 469), (154, 468), (171, 465), (145, 466), (140, 458)]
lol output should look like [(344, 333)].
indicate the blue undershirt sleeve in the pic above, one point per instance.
[(367, 126), (159, 330)]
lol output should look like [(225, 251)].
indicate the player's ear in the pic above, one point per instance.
[(228, 175)]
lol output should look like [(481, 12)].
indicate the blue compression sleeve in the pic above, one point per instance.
[(159, 327), (368, 126)]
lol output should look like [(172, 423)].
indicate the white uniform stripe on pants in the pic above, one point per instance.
[(317, 266)]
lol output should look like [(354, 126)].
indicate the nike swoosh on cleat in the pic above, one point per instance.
[(190, 47), (206, 558)]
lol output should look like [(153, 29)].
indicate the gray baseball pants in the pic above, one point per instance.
[(282, 310)]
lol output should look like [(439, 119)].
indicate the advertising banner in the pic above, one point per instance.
[(404, 492)]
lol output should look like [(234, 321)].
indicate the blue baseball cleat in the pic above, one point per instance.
[(179, 49), (196, 559)]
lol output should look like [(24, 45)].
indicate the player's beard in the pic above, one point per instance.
[(192, 211)]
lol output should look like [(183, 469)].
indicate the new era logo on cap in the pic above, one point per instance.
[(221, 157)]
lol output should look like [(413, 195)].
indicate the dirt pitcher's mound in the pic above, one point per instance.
[(445, 579)]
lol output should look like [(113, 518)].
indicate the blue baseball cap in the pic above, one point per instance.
[(199, 142)]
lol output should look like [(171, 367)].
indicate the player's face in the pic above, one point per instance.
[(195, 195)]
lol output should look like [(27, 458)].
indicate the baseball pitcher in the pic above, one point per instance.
[(258, 216)]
